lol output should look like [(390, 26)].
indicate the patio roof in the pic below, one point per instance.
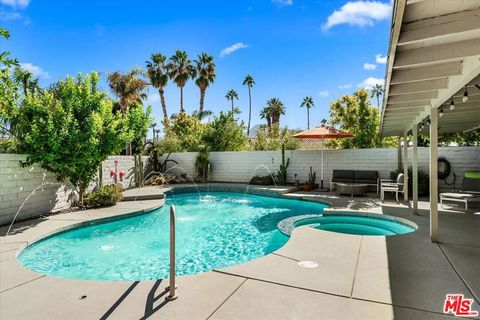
[(434, 53)]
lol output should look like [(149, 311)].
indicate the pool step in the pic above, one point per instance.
[(152, 196)]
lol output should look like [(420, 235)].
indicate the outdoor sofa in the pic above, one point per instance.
[(469, 189), (368, 177)]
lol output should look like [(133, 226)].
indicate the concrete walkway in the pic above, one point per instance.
[(358, 277)]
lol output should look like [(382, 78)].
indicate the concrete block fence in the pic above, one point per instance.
[(16, 183)]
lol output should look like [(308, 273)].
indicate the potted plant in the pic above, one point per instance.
[(310, 185)]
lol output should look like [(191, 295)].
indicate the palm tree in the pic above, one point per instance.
[(266, 113), (249, 82), (231, 94), (276, 108), (26, 80), (202, 115), (153, 125), (205, 69), (128, 88), (307, 103), (157, 73), (377, 91), (180, 71)]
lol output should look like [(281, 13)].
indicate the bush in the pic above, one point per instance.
[(423, 181), (104, 196), (262, 180), (8, 146)]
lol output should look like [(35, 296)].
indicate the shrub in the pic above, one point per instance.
[(423, 181), (104, 196), (8, 146), (262, 180)]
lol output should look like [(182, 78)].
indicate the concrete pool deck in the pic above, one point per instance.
[(401, 277)]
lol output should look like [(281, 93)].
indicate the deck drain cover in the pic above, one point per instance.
[(308, 264)]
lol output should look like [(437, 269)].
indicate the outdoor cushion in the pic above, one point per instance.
[(470, 185), (343, 175), (365, 175), (342, 180), (458, 195)]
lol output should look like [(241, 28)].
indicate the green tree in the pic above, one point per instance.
[(188, 129), (8, 87), (138, 121), (25, 78), (273, 138), (205, 69), (308, 104), (266, 113), (276, 109), (377, 91), (354, 113), (157, 73), (129, 88), (231, 95), (180, 71), (249, 82), (225, 133), (70, 129)]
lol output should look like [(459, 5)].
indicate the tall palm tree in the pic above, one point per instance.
[(276, 108), (377, 91), (249, 82), (157, 73), (231, 94), (307, 103), (128, 87), (205, 68), (25, 78), (201, 115), (153, 125), (266, 113), (180, 71)]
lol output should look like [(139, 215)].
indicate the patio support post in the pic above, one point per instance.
[(433, 175), (405, 166), (399, 153), (415, 168)]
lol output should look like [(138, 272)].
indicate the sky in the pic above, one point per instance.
[(292, 48)]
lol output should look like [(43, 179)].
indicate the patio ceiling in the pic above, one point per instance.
[(434, 53)]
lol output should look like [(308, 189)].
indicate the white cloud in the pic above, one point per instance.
[(283, 2), (380, 59), (36, 71), (10, 16), (233, 48), (369, 66), (370, 82), (323, 93), (17, 4), (345, 86), (359, 13)]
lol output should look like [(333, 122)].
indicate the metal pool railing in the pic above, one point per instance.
[(172, 287)]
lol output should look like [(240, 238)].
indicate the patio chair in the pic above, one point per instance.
[(392, 186), (469, 189)]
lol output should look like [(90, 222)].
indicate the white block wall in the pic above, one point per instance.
[(240, 166), (17, 183)]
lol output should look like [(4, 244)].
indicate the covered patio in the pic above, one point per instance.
[(432, 83)]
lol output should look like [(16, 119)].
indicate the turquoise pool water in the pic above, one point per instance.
[(359, 225), (216, 231)]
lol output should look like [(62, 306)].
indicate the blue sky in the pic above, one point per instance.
[(292, 48)]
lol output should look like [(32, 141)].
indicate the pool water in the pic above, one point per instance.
[(213, 230), (358, 225)]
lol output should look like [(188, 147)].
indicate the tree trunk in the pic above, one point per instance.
[(164, 105), (181, 100), (308, 119), (232, 104), (378, 101), (81, 191), (100, 175), (202, 100), (269, 121), (249, 110)]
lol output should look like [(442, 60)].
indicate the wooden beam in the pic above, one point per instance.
[(427, 72), (433, 175), (418, 86), (415, 169), (409, 97), (437, 54), (450, 25)]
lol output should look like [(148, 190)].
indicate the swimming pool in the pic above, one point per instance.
[(371, 225), (214, 230)]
